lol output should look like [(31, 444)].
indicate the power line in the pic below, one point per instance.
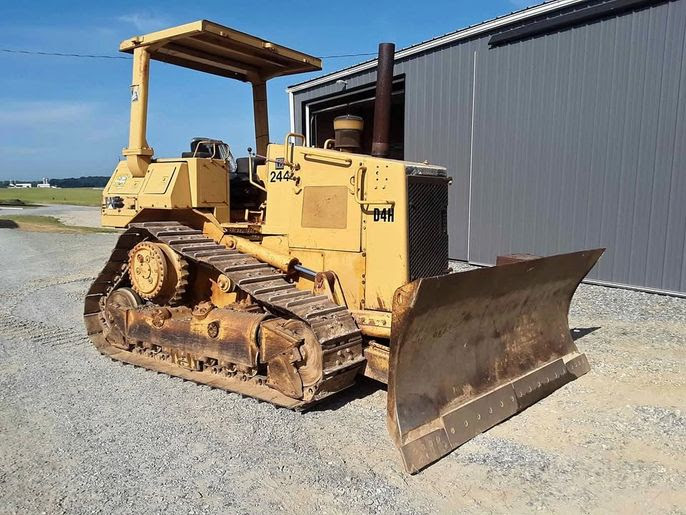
[(60, 54), (101, 56), (345, 55)]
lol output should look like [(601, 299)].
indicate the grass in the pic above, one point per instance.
[(32, 196), (38, 223)]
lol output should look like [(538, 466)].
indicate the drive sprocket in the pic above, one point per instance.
[(157, 273)]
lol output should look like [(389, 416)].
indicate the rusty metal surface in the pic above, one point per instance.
[(382, 100), (508, 259), (185, 342), (292, 354), (377, 362), (375, 324), (221, 334), (471, 349), (208, 377)]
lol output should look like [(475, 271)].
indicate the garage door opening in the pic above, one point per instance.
[(319, 116)]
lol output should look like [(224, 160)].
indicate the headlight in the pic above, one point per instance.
[(114, 202)]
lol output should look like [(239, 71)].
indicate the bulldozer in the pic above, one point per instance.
[(290, 274)]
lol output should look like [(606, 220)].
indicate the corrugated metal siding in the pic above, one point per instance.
[(441, 132), (578, 142)]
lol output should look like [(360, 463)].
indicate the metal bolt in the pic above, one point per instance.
[(213, 329), (224, 283)]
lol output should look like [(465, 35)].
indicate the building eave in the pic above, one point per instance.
[(467, 32)]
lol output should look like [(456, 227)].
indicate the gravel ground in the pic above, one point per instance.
[(70, 215), (80, 433)]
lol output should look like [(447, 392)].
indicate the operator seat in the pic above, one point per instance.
[(205, 148)]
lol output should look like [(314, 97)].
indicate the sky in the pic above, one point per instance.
[(68, 117)]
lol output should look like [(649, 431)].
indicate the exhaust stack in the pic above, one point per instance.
[(382, 103)]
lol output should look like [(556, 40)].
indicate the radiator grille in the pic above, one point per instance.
[(428, 219)]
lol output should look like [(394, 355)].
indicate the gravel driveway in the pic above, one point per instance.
[(70, 215), (80, 433)]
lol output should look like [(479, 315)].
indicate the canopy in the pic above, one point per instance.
[(212, 48)]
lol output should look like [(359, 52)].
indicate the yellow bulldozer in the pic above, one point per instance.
[(289, 274)]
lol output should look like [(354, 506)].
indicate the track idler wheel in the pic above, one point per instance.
[(293, 357), (115, 305), (157, 273)]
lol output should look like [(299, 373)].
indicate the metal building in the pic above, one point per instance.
[(562, 125)]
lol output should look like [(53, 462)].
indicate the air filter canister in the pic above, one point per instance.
[(348, 132)]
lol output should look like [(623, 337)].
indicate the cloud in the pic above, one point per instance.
[(144, 21), (30, 112)]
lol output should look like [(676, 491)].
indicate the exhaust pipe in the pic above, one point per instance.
[(382, 103)]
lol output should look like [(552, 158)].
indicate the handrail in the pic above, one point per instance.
[(358, 189), (259, 186), (327, 159), (286, 160)]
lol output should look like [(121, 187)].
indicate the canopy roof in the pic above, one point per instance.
[(208, 47)]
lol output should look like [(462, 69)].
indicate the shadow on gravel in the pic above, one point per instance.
[(8, 224), (363, 388), (580, 332)]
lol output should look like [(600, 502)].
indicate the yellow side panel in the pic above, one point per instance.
[(315, 205), (324, 214), (166, 186), (350, 269), (348, 266), (209, 182), (385, 232), (123, 183), (160, 177), (325, 207), (280, 194), (312, 259)]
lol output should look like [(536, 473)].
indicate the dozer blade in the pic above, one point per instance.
[(468, 350)]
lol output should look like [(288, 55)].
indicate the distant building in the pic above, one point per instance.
[(14, 184), (44, 184)]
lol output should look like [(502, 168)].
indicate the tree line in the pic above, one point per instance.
[(90, 181)]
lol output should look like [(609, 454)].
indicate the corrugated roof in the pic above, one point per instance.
[(466, 32)]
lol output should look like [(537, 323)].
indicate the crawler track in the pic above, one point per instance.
[(333, 325)]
